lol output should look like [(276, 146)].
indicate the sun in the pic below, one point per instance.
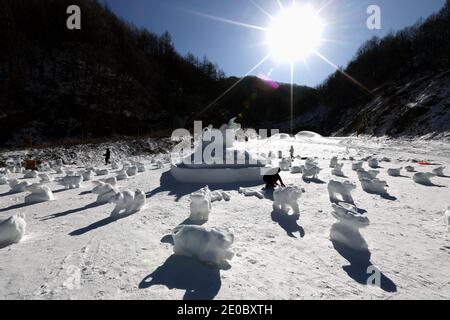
[(294, 34)]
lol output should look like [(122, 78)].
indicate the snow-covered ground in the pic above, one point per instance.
[(71, 250)]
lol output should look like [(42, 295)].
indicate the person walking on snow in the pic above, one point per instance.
[(107, 156), (292, 152)]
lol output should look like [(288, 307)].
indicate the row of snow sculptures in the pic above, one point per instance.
[(39, 193), (209, 246), (346, 231), (287, 198), (12, 230), (127, 203)]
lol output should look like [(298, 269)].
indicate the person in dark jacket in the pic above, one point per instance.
[(272, 180), (107, 156)]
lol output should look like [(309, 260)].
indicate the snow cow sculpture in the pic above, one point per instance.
[(45, 178), (88, 175), (424, 178), (127, 203), (337, 171), (12, 230), (112, 181), (439, 171), (395, 172), (30, 174), (334, 162), (285, 164), (209, 246), (371, 174), (39, 193), (3, 180), (104, 191), (200, 205), (71, 181), (285, 198), (374, 186), (344, 189), (122, 175), (311, 172), (132, 171)]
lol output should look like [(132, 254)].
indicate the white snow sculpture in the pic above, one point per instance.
[(3, 180), (4, 171), (371, 174), (39, 193), (311, 172), (140, 167), (17, 187), (209, 246), (285, 198), (447, 218), (297, 169), (220, 195), (12, 230), (122, 175), (19, 169), (59, 170), (45, 178), (251, 193), (334, 162), (337, 171), (357, 166), (159, 165), (88, 175), (105, 192), (410, 169), (132, 171), (30, 174), (375, 186), (200, 205), (127, 203), (439, 171), (115, 165), (285, 164), (102, 172), (373, 163), (112, 181), (309, 163), (424, 178), (395, 172), (71, 181), (344, 189), (346, 230)]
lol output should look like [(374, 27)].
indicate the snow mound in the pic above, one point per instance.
[(71, 181), (297, 169), (39, 193), (17, 187), (371, 174), (12, 230), (248, 192), (105, 192), (30, 174), (115, 165), (342, 189), (102, 172), (395, 172), (220, 195), (439, 172), (287, 198), (200, 205), (280, 136), (127, 203), (311, 172), (307, 135), (209, 246)]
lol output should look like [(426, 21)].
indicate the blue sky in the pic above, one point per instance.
[(237, 49)]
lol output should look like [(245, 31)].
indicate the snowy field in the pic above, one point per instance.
[(72, 250)]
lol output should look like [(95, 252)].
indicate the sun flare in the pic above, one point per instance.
[(294, 34)]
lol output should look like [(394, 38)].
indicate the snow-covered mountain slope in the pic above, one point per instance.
[(72, 250), (412, 107)]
